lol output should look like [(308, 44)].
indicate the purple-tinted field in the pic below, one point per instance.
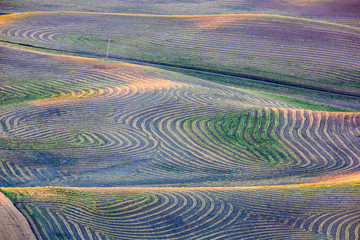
[(339, 11), (99, 123), (307, 211), (292, 51), (104, 149)]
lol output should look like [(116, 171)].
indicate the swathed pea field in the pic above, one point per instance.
[(214, 123)]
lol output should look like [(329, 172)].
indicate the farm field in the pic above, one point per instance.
[(294, 51), (209, 120), (324, 210), (339, 11)]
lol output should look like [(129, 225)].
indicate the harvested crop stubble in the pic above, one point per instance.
[(130, 124), (158, 148), (194, 213), (295, 51), (339, 11)]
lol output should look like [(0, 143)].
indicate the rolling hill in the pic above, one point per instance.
[(241, 124), (76, 121), (288, 50), (324, 210)]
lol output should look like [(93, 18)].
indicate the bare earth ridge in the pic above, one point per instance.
[(13, 225)]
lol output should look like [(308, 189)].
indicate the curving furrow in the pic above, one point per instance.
[(115, 98), (236, 46), (266, 137), (79, 85), (162, 215), (333, 213), (318, 139), (336, 224), (112, 138), (126, 141), (12, 174), (175, 148), (240, 137), (47, 35), (278, 213), (14, 119), (285, 204), (258, 228), (49, 224)]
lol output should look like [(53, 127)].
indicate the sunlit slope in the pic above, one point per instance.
[(340, 11), (89, 122), (305, 211), (294, 51)]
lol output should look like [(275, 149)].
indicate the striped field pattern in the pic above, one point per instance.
[(338, 11), (297, 51), (332, 212), (106, 149), (153, 126)]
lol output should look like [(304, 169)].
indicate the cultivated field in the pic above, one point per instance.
[(324, 210), (338, 11), (226, 126), (89, 122), (294, 51)]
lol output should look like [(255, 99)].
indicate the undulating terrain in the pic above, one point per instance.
[(228, 120)]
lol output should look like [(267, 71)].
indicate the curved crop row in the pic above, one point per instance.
[(163, 215), (150, 115), (294, 140), (282, 137), (329, 210), (256, 213), (48, 224), (12, 174), (289, 50), (45, 35), (165, 127)]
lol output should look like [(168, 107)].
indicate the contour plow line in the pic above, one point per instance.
[(194, 212), (266, 138), (245, 42)]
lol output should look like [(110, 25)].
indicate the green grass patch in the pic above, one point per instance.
[(227, 130), (302, 103), (20, 99), (12, 194)]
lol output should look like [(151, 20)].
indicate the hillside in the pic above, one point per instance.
[(293, 51), (339, 11), (324, 210), (209, 120), (76, 121)]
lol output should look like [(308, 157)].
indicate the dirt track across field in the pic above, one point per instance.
[(13, 225)]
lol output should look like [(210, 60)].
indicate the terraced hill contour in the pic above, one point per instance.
[(164, 155), (339, 11), (325, 210), (90, 122), (294, 51)]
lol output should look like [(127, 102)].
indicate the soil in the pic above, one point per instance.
[(13, 225)]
